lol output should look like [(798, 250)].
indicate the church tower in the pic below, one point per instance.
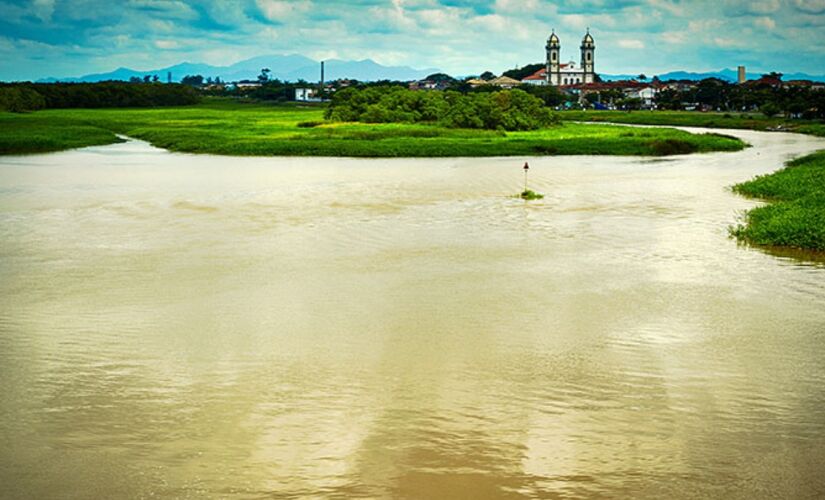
[(588, 48), (553, 62)]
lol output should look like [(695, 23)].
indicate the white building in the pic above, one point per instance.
[(306, 95), (646, 94), (559, 74)]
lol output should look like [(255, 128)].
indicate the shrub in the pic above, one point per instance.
[(503, 109)]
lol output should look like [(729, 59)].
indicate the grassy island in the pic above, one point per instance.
[(227, 127), (795, 216)]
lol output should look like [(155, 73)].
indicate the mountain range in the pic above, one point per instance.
[(291, 68), (296, 67), (726, 74)]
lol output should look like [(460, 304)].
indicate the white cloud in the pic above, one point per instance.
[(43, 9), (167, 44), (763, 6), (765, 22), (728, 43), (631, 44), (581, 21), (674, 37), (739, 7), (517, 6), (667, 5), (280, 10), (811, 6)]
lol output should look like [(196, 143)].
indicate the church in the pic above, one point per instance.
[(561, 74)]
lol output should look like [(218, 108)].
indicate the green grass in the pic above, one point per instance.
[(21, 134), (795, 216), (752, 121), (232, 128), (529, 194)]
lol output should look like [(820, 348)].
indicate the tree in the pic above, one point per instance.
[(770, 109), (264, 76), (550, 95), (194, 80), (135, 79), (642, 77), (440, 77), (487, 76), (156, 78), (524, 71)]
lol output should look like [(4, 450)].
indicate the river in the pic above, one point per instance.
[(176, 326)]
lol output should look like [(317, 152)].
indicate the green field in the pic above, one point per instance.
[(752, 121), (795, 216), (231, 128)]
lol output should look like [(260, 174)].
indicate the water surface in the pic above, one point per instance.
[(179, 326)]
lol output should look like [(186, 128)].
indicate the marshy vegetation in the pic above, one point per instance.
[(795, 216), (751, 121), (529, 195), (227, 127)]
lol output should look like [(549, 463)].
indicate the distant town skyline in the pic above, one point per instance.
[(43, 38)]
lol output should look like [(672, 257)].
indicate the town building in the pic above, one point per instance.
[(559, 74), (306, 95), (504, 82)]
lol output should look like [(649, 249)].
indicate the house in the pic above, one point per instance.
[(766, 80), (504, 82), (647, 95), (429, 85), (247, 84), (306, 95), (537, 78), (475, 82), (809, 84)]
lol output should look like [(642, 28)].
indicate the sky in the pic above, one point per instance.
[(61, 38)]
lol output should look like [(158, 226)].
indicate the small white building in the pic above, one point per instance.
[(646, 94), (306, 95)]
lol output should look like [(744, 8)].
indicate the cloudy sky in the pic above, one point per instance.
[(40, 38)]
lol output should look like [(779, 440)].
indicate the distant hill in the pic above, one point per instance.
[(726, 74), (292, 68)]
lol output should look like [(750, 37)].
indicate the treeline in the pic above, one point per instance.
[(18, 97), (791, 101), (504, 109)]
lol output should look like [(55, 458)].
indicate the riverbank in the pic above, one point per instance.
[(749, 121), (795, 216), (231, 128)]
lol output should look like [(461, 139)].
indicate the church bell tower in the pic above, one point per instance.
[(588, 65), (553, 61)]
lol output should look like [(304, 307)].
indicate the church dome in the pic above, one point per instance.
[(553, 38), (587, 38)]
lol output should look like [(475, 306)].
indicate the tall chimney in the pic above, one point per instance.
[(168, 77), (321, 92), (742, 78)]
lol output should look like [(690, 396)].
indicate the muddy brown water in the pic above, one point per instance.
[(177, 326)]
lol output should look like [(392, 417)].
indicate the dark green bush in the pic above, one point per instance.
[(505, 109)]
